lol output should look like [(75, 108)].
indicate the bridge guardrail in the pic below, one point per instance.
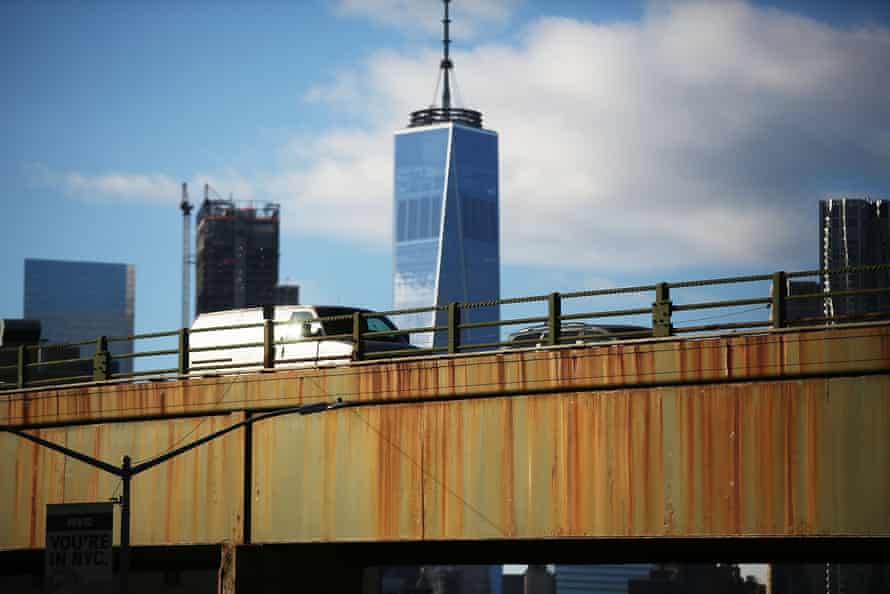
[(34, 365)]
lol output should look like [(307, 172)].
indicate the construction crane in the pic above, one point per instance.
[(186, 209)]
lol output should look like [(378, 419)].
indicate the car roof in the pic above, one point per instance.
[(332, 310), (586, 326), (605, 329)]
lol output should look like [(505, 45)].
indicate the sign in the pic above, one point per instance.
[(78, 547)]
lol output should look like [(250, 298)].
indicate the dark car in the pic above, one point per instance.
[(577, 333)]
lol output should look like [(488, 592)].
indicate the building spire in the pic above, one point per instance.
[(446, 65), (445, 113)]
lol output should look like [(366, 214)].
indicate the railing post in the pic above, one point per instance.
[(554, 318), (778, 296), (453, 328), (661, 311), (268, 343), (183, 351), (359, 352), (22, 378), (101, 360)]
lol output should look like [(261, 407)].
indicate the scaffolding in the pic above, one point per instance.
[(236, 255)]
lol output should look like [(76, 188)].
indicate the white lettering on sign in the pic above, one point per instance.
[(78, 546)]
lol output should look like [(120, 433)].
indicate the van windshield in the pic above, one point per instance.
[(370, 323)]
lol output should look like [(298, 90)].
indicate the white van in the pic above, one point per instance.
[(214, 345)]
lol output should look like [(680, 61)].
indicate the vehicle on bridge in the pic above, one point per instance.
[(577, 333), (304, 335)]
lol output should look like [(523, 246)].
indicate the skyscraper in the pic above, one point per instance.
[(854, 233), (236, 255), (77, 301), (598, 579), (446, 218)]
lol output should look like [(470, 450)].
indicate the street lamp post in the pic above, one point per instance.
[(127, 470)]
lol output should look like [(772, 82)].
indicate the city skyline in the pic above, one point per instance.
[(641, 142)]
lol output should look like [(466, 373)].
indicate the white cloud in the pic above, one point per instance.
[(469, 17), (119, 186), (693, 137), (697, 136)]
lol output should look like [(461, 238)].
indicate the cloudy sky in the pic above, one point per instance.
[(639, 141)]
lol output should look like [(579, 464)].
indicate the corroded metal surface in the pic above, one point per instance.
[(791, 458), (725, 436), (640, 363), (194, 498)]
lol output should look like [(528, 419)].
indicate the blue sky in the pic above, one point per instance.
[(640, 141)]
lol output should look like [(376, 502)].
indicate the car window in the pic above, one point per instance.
[(382, 324), (377, 325)]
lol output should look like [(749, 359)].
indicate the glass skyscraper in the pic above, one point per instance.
[(446, 230), (77, 301)]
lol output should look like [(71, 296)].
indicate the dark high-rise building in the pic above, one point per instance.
[(446, 219), (695, 579), (830, 578), (18, 333), (287, 295), (598, 579), (854, 233), (236, 255), (441, 579), (77, 301), (801, 310)]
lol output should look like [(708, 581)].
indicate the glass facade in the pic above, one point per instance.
[(446, 227), (77, 301)]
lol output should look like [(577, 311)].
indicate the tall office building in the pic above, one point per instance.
[(236, 256), (77, 301), (287, 294), (697, 578), (830, 578), (446, 219), (854, 233), (598, 579), (803, 310)]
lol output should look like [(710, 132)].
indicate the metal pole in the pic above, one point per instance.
[(186, 209), (453, 328), (778, 297), (125, 528), (554, 318)]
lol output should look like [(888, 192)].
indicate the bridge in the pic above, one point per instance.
[(739, 439)]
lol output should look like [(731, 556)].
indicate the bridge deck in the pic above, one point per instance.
[(785, 433)]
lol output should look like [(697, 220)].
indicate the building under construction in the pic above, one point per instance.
[(236, 255)]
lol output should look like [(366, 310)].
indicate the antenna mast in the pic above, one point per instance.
[(446, 63), (186, 209), (445, 113)]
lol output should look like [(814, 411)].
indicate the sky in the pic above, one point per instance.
[(639, 141)]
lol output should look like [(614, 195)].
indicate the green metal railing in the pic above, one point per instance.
[(29, 366)]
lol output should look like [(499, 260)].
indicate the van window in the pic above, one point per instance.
[(293, 330)]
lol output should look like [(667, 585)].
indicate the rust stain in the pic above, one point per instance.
[(508, 473), (812, 456), (789, 460), (737, 500), (628, 466), (172, 487), (35, 507), (688, 436), (575, 473)]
